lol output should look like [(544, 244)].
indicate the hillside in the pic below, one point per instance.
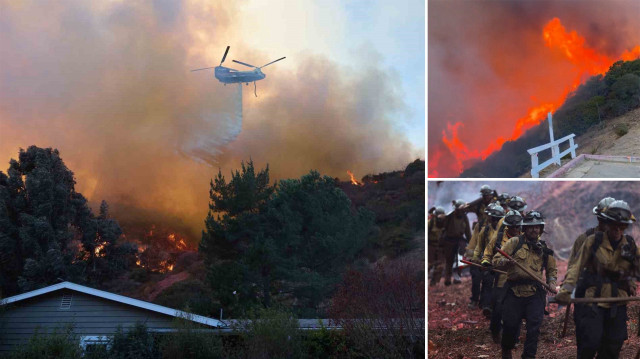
[(396, 198), (596, 104)]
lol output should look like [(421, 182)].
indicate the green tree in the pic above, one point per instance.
[(47, 230), (292, 240)]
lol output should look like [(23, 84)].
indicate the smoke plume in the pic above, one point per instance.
[(108, 84)]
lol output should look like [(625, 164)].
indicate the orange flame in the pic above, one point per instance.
[(354, 181), (179, 243), (98, 251), (587, 62), (165, 267)]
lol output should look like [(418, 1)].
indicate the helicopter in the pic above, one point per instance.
[(228, 75)]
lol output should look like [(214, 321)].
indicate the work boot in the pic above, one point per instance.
[(506, 354), (486, 311), (447, 283), (472, 304)]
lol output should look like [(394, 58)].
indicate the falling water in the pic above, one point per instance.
[(217, 130)]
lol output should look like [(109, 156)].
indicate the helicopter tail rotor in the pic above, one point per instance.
[(282, 58), (225, 55)]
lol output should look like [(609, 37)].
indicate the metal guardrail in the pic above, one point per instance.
[(556, 155)]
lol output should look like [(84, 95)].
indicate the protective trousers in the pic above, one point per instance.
[(600, 332), (486, 289), (476, 281), (435, 263), (513, 311), (497, 297), (450, 248)]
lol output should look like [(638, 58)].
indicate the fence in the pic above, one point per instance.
[(556, 155)]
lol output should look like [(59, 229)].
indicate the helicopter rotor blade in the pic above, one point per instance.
[(204, 68), (225, 54), (242, 63), (282, 58)]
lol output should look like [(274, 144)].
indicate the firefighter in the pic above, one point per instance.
[(525, 297), (479, 207), (604, 268), (436, 257), (455, 231), (577, 245), (495, 212), (575, 249), (509, 228)]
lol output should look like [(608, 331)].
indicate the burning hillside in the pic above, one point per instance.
[(509, 65)]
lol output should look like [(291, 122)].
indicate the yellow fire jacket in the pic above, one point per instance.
[(606, 264), (530, 258)]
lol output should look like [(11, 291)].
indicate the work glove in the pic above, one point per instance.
[(486, 263), (563, 297)]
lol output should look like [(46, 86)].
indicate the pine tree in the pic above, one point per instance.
[(293, 238), (47, 230)]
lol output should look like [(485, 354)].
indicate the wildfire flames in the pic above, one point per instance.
[(159, 249), (179, 243), (585, 61), (354, 181), (99, 250)]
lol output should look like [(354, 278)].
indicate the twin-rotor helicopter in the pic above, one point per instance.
[(228, 75)]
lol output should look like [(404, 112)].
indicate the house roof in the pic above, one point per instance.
[(116, 298)]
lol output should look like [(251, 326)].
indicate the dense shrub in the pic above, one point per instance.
[(271, 333), (62, 345), (621, 129), (135, 343), (189, 342)]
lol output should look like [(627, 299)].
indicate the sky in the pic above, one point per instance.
[(496, 68), (108, 84)]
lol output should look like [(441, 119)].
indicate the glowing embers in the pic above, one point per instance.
[(99, 251), (354, 181), (180, 244)]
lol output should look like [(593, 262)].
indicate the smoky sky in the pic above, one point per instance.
[(488, 63), (108, 84)]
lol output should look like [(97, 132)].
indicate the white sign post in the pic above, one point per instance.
[(555, 149)]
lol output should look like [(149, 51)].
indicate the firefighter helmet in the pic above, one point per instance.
[(618, 211), (533, 218), (504, 198), (513, 218), (517, 203), (495, 210), (604, 203), (485, 190)]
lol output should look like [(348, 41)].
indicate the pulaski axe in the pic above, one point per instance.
[(528, 271), (482, 267)]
